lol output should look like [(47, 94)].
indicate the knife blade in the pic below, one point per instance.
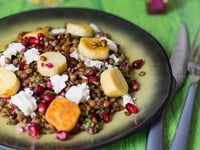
[(178, 61)]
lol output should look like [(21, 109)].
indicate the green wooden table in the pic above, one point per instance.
[(164, 28)]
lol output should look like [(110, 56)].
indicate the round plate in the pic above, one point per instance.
[(135, 43)]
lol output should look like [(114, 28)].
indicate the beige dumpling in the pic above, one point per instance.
[(93, 48), (51, 63), (83, 30), (9, 83), (113, 83)]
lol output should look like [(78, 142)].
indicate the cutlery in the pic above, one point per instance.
[(178, 62), (181, 135)]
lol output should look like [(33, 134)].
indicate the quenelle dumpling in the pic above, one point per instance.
[(82, 30), (9, 83), (113, 83), (93, 48), (51, 63)]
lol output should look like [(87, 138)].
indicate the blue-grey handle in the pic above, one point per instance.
[(180, 139), (155, 135)]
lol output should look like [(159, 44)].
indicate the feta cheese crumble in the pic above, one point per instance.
[(13, 48), (58, 82), (94, 27), (31, 55), (78, 93), (127, 99), (58, 30), (25, 101)]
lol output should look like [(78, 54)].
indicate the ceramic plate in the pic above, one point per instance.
[(135, 43)]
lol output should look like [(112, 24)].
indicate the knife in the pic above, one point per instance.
[(178, 60)]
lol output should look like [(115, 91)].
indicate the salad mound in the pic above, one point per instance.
[(65, 80)]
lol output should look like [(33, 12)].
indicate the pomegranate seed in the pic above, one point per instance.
[(105, 117), (41, 107), (123, 64), (49, 85), (49, 65), (38, 90), (88, 73), (38, 46), (93, 79), (48, 95), (21, 65), (62, 135), (33, 131), (60, 37), (40, 36), (25, 40), (137, 64), (134, 85), (156, 6), (92, 115), (131, 108), (33, 41), (76, 129)]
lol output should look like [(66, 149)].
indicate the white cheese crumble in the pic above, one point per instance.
[(25, 101), (111, 44), (94, 27), (31, 55), (78, 93), (58, 30), (58, 82), (9, 67), (127, 99), (13, 48), (114, 58), (88, 62)]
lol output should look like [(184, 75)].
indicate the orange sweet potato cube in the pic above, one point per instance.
[(63, 114)]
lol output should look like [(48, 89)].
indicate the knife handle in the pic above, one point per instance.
[(181, 135), (155, 136)]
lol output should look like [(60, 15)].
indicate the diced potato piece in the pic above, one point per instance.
[(93, 48), (51, 63), (9, 83), (113, 83), (76, 29), (63, 114)]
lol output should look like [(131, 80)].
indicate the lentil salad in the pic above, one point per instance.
[(96, 110)]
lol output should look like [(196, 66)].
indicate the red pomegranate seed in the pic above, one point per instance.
[(62, 135), (134, 85), (38, 90), (156, 6), (41, 107), (40, 36), (76, 129), (48, 95), (137, 64), (105, 117), (92, 115), (49, 65), (38, 46), (25, 40), (93, 79), (33, 131), (131, 108), (21, 65), (88, 73), (49, 85), (33, 41), (60, 37)]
